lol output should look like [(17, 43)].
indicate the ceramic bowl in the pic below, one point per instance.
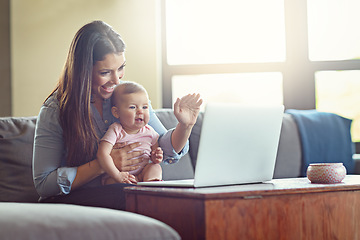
[(326, 172)]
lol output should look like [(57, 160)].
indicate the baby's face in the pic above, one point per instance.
[(133, 110)]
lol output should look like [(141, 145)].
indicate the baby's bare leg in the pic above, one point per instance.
[(152, 172)]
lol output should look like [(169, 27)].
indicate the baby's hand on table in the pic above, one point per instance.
[(157, 155)]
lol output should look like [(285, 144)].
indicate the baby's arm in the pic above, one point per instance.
[(186, 111), (107, 163), (156, 153)]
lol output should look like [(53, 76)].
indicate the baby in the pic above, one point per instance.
[(131, 106)]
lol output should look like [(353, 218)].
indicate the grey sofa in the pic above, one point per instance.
[(21, 217), (288, 162)]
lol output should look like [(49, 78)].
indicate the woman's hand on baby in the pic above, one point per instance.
[(125, 177), (157, 155), (186, 109), (124, 157)]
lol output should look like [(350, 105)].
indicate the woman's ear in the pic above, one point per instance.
[(115, 112)]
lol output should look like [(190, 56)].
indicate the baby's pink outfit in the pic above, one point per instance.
[(147, 136)]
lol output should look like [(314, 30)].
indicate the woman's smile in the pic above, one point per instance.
[(107, 74), (108, 89)]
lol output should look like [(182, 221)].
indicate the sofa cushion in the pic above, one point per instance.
[(38, 221), (325, 138), (16, 147), (195, 139), (288, 159), (183, 169), (169, 120)]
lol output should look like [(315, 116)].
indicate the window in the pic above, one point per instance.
[(259, 88), (333, 36), (333, 33), (208, 31), (308, 51), (339, 92)]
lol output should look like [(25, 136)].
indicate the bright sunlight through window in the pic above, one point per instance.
[(246, 88), (338, 92), (333, 29), (227, 31)]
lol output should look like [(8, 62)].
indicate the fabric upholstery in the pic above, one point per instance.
[(288, 160), (183, 169), (50, 221), (195, 139), (169, 120), (16, 147), (325, 138), (16, 141), (35, 221)]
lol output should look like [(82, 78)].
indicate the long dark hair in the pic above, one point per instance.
[(90, 44)]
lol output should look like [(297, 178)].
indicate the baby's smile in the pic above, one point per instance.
[(139, 119)]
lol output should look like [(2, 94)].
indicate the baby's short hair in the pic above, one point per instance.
[(126, 87)]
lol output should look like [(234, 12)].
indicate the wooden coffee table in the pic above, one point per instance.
[(278, 209)]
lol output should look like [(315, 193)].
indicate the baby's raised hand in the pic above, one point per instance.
[(157, 155), (186, 109)]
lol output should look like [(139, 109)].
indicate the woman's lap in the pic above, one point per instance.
[(108, 196)]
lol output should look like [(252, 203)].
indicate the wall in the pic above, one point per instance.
[(41, 33), (5, 81)]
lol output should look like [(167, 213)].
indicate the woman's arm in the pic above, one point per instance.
[(50, 174), (87, 172)]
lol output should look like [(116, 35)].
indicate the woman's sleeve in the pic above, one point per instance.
[(50, 176), (170, 156)]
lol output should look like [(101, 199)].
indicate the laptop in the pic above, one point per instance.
[(238, 145)]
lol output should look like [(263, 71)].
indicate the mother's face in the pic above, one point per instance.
[(107, 74)]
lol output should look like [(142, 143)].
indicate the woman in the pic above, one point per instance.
[(77, 114)]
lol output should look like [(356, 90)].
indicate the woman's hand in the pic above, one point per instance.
[(157, 155), (124, 157), (186, 109)]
